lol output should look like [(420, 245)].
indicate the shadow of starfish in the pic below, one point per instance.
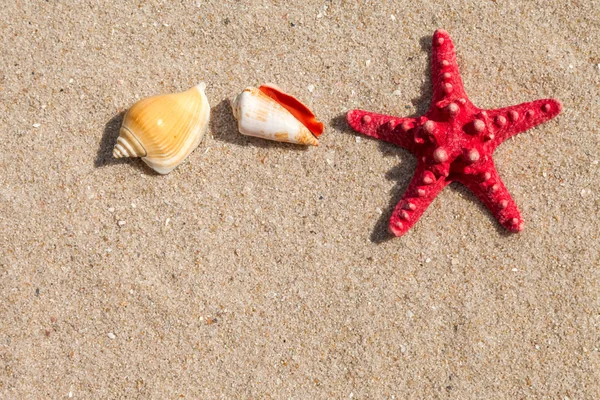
[(401, 173)]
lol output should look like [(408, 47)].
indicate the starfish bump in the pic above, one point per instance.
[(453, 141)]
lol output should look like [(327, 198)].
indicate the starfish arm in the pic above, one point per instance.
[(383, 127), (487, 185), (421, 191), (445, 76), (510, 121)]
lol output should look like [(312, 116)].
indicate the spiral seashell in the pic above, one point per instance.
[(269, 113), (164, 129)]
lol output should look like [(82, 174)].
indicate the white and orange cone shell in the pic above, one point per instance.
[(269, 113)]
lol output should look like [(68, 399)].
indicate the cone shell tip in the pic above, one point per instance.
[(233, 102)]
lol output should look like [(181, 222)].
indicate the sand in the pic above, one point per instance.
[(263, 270)]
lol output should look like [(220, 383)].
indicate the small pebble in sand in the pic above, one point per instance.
[(37, 125), (428, 260), (111, 209), (167, 221), (393, 17), (112, 335), (410, 314), (330, 157), (396, 92), (367, 63), (121, 222), (358, 139), (403, 348), (311, 87), (515, 270)]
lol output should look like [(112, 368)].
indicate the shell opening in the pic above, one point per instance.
[(299, 110)]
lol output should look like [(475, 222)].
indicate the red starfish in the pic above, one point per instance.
[(453, 141)]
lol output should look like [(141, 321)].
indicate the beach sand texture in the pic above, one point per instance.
[(263, 270)]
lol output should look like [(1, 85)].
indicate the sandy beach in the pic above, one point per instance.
[(263, 270)]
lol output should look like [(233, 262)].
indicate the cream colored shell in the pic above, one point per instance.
[(164, 129), (260, 116)]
